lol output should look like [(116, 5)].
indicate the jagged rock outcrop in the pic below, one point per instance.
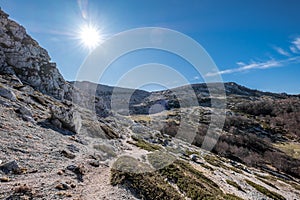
[(67, 118), (22, 57), (6, 93)]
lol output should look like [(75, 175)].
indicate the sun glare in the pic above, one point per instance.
[(90, 36)]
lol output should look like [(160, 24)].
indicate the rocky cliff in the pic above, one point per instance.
[(22, 57)]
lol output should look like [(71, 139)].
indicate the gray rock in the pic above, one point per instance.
[(94, 163), (56, 123), (10, 167), (8, 94), (68, 117), (27, 89), (68, 154), (25, 114), (194, 157), (24, 111)]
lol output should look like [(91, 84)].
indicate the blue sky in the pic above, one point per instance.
[(255, 43)]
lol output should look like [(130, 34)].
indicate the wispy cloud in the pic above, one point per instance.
[(296, 42), (246, 67), (293, 57), (295, 47), (281, 51), (196, 78)]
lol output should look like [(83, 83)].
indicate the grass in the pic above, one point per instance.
[(232, 197), (141, 118), (143, 185), (267, 182), (190, 181), (188, 152), (159, 184), (237, 170), (144, 145), (265, 191), (207, 167), (234, 184), (217, 163), (296, 186), (214, 161), (290, 149)]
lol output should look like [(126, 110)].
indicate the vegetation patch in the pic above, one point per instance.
[(296, 186), (265, 191), (267, 182), (232, 197), (207, 167), (144, 145), (127, 171), (159, 184), (214, 161), (190, 181), (291, 149), (237, 170), (188, 152), (234, 184)]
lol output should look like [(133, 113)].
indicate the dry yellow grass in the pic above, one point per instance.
[(291, 149)]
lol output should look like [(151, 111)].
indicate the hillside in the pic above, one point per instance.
[(63, 140)]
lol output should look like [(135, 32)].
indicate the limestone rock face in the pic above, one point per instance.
[(20, 55), (67, 118), (6, 93)]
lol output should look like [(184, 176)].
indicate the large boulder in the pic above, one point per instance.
[(7, 93), (66, 117)]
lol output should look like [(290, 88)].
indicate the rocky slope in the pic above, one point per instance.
[(55, 145)]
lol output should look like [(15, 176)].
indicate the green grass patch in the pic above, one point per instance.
[(191, 181), (128, 171), (296, 186), (232, 197), (234, 184), (237, 170), (156, 185), (144, 145), (207, 167), (267, 182), (214, 161), (265, 191), (188, 152)]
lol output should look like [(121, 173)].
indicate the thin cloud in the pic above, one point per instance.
[(257, 65), (242, 67), (196, 78), (296, 43), (295, 47), (281, 51)]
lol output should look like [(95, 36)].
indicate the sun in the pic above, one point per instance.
[(90, 36)]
